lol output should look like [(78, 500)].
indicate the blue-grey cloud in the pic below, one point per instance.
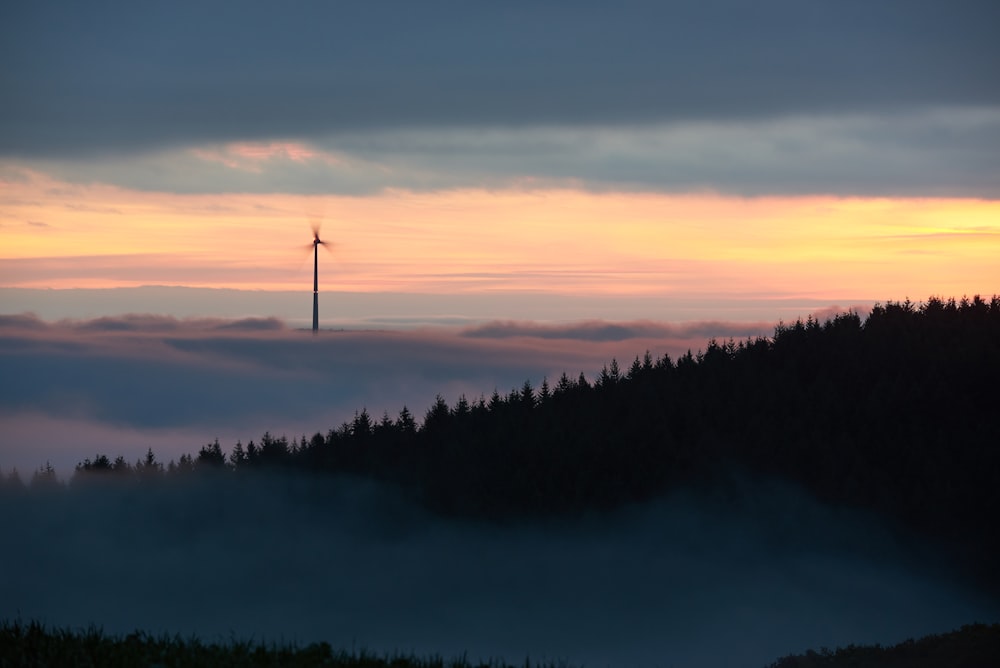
[(921, 152), (163, 324), (21, 322), (121, 76), (597, 330), (157, 371)]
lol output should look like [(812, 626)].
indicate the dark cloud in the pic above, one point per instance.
[(253, 325), (120, 76), (21, 322), (690, 580), (162, 324)]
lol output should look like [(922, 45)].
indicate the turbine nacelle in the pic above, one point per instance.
[(317, 241), (315, 228)]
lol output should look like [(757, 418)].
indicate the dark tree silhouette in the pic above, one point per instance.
[(894, 413)]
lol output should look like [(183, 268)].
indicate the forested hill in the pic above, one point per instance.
[(896, 413)]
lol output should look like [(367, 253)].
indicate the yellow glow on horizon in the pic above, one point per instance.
[(55, 234)]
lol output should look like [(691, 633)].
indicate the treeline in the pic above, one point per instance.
[(896, 413)]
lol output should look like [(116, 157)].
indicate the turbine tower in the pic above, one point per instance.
[(317, 242)]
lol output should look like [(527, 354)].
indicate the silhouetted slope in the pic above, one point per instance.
[(972, 646), (896, 414)]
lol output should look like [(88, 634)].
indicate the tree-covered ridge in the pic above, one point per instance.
[(894, 413), (972, 646)]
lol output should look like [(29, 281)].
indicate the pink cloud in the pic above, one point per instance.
[(251, 156)]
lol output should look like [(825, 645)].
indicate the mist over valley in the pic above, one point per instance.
[(764, 496)]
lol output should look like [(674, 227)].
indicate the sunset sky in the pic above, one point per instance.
[(510, 191), (842, 152), (651, 162)]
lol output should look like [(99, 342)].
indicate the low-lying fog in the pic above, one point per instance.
[(685, 581)]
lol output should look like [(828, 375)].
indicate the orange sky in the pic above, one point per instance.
[(62, 235)]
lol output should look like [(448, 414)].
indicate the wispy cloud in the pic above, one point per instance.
[(597, 330), (165, 324)]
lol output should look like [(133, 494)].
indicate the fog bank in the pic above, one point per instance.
[(686, 581)]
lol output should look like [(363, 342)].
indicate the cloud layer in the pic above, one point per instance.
[(608, 331), (120, 75), (780, 98), (121, 384), (943, 151)]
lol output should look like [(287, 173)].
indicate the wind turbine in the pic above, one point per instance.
[(317, 242)]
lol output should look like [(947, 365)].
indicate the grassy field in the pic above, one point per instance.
[(972, 646), (32, 644)]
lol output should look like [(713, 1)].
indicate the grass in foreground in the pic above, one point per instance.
[(32, 644)]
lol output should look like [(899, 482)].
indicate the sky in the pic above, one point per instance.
[(659, 152), (509, 191), (522, 174)]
